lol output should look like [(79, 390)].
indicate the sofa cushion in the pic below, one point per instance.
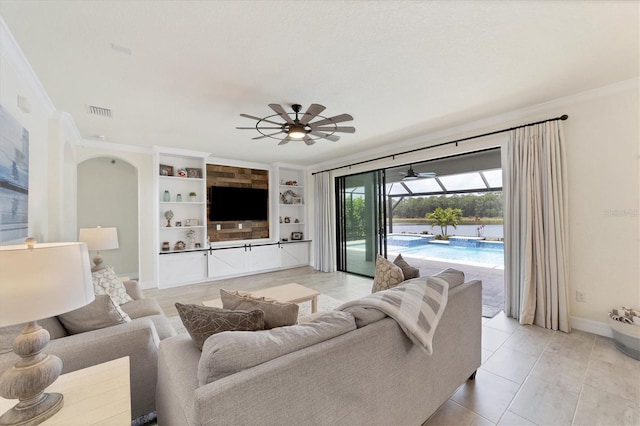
[(407, 270), (204, 321), (228, 353), (142, 308), (453, 276), (387, 275), (276, 314), (105, 281), (102, 312)]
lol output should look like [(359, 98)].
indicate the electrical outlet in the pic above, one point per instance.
[(218, 227), (581, 297), (239, 226)]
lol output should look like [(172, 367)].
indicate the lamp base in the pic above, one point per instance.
[(33, 414)]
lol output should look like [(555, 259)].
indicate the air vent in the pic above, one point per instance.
[(100, 111)]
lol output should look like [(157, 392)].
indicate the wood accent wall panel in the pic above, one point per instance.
[(237, 177)]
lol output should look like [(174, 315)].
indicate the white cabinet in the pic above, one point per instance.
[(294, 254), (243, 260), (182, 268)]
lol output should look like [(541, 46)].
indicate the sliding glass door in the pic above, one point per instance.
[(361, 218)]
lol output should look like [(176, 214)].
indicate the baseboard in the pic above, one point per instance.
[(590, 326)]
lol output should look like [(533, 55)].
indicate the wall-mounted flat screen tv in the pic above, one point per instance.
[(236, 204)]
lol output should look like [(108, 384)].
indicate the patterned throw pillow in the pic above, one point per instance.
[(276, 314), (204, 321), (407, 270), (105, 281), (387, 275)]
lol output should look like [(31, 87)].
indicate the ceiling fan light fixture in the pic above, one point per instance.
[(297, 132)]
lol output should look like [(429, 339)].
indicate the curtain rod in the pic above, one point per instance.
[(562, 117)]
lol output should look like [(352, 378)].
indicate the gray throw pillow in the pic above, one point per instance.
[(453, 276), (228, 353), (407, 270), (102, 312), (204, 321), (276, 314)]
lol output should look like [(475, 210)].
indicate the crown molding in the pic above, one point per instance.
[(11, 52)]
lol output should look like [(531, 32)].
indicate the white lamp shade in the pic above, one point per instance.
[(47, 280), (99, 238)]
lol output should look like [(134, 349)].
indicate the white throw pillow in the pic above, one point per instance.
[(105, 281)]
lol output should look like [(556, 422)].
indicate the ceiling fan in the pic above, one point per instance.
[(412, 175), (300, 127)]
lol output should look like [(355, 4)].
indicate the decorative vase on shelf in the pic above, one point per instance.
[(179, 197), (168, 215), (166, 196), (192, 197)]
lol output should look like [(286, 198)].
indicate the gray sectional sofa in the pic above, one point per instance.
[(137, 339), (370, 375)]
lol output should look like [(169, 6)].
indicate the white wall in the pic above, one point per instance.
[(603, 160)]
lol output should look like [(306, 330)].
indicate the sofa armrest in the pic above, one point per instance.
[(133, 289)]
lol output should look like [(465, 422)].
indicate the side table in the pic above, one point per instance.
[(97, 395)]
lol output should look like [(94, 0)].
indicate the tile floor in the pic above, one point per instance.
[(533, 376)]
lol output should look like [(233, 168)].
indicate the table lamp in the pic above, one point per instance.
[(38, 281), (99, 239)]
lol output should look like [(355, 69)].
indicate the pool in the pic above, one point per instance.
[(487, 253)]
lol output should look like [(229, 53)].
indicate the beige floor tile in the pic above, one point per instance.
[(488, 395), (605, 350), (620, 381), (529, 339), (504, 323), (555, 368), (451, 413), (576, 345), (486, 354), (512, 419), (597, 407), (545, 403), (492, 339), (510, 364)]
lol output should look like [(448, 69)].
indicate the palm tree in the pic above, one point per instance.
[(444, 217)]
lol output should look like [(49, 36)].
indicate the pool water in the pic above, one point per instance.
[(492, 257)]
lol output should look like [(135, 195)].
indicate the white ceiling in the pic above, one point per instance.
[(401, 68)]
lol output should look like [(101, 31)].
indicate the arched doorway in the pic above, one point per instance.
[(108, 197)]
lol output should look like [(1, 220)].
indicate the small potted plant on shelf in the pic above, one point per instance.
[(192, 196)]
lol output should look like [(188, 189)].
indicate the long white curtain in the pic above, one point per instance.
[(536, 234), (324, 225)]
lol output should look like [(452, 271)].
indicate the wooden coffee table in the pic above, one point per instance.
[(294, 293)]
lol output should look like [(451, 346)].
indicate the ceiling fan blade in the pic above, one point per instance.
[(336, 129), (253, 128), (260, 119), (266, 136), (312, 112), (332, 138), (308, 140), (337, 119), (285, 140), (281, 112), (427, 174)]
